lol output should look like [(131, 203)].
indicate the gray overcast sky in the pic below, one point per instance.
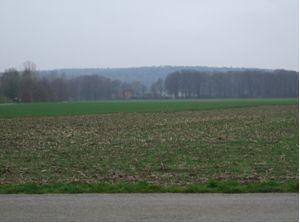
[(125, 33)]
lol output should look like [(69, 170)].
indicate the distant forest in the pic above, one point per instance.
[(30, 86), (145, 75), (244, 84)]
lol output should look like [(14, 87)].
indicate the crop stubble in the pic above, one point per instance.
[(167, 148)]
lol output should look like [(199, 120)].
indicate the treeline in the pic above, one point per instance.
[(145, 75), (244, 84), (29, 86)]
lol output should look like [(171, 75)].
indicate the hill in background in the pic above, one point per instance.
[(145, 75)]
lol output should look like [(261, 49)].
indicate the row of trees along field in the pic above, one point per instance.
[(244, 84), (28, 86)]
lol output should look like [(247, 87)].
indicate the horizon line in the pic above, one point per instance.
[(155, 66)]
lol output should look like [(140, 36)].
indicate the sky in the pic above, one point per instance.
[(131, 33)]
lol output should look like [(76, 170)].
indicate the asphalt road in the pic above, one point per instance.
[(150, 207)]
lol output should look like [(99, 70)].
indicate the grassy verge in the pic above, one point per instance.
[(144, 187)]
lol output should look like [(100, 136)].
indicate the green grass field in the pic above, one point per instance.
[(106, 107), (143, 146)]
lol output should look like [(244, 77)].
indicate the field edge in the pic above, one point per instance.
[(211, 186)]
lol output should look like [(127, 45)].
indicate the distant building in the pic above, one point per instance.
[(127, 93)]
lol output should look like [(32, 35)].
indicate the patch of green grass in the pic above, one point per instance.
[(144, 187), (105, 107)]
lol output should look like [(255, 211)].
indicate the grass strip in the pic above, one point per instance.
[(140, 106), (145, 187)]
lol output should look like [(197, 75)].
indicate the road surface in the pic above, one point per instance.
[(150, 207)]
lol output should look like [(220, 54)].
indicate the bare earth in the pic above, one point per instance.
[(150, 207)]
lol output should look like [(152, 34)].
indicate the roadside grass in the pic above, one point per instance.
[(105, 107), (144, 187)]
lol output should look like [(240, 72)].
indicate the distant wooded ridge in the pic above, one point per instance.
[(30, 85), (145, 75)]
